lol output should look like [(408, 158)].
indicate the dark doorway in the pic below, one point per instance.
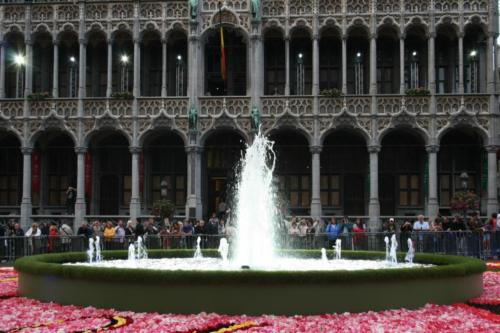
[(109, 194), (387, 194), (354, 194)]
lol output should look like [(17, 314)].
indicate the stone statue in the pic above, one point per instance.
[(193, 118), (255, 8), (255, 116), (193, 4)]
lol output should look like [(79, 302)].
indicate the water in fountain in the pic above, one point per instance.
[(411, 252), (131, 252), (97, 246), (392, 253), (142, 252), (324, 258), (256, 212), (386, 240), (197, 253), (223, 249), (91, 251), (338, 249)]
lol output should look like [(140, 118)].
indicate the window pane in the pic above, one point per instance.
[(294, 199), (179, 198), (445, 182), (402, 182), (403, 198), (445, 198), (305, 199), (335, 182), (179, 184), (324, 198), (335, 199), (324, 182), (127, 182), (294, 182), (414, 182), (414, 198), (305, 182)]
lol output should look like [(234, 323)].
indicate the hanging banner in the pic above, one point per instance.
[(88, 175), (141, 173), (35, 171)]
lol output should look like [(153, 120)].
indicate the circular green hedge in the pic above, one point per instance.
[(51, 264)]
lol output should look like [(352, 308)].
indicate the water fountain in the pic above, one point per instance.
[(197, 253), (223, 249), (90, 251), (411, 252), (337, 248), (386, 240), (393, 258), (97, 245), (273, 282), (324, 258), (137, 250)]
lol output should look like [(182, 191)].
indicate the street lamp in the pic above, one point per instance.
[(164, 188), (19, 62), (124, 59), (358, 73), (179, 73), (72, 76), (300, 75)]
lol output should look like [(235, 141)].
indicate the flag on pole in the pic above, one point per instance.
[(222, 53)]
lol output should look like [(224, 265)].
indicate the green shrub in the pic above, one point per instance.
[(50, 264)]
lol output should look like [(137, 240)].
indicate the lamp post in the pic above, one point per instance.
[(414, 82), (72, 84), (179, 73), (124, 60), (473, 71), (358, 73), (19, 62), (300, 74)]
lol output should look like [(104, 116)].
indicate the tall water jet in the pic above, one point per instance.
[(393, 258), (197, 253), (131, 252), (91, 251), (338, 249), (386, 240), (97, 246), (223, 249), (324, 258), (256, 211)]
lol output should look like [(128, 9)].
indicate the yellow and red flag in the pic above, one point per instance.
[(222, 55)]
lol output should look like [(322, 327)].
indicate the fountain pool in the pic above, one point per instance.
[(272, 281)]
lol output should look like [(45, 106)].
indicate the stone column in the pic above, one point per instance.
[(461, 63), (373, 64), (492, 205), (26, 208), (55, 77), (315, 65), (194, 208), (2, 69), (109, 85), (82, 68), (163, 68), (287, 66), (344, 64), (315, 193), (402, 65), (80, 204), (137, 68), (431, 65), (135, 200), (490, 68), (374, 223), (28, 77), (432, 202)]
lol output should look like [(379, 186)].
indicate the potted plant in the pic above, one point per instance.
[(332, 93), (163, 208), (420, 91), (464, 201), (39, 96), (122, 95)]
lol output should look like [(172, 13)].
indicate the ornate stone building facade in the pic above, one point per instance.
[(376, 107)]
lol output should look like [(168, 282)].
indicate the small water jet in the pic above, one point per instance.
[(386, 240), (223, 249), (91, 251), (393, 258), (411, 252), (324, 258), (197, 253), (337, 248), (137, 250), (97, 246)]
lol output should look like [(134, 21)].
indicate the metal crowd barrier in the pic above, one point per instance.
[(465, 243)]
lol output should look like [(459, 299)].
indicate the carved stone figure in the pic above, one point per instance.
[(255, 114), (193, 118), (193, 4), (255, 8)]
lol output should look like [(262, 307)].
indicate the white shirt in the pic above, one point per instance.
[(30, 232), (424, 225)]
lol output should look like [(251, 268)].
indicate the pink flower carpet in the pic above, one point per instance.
[(18, 314)]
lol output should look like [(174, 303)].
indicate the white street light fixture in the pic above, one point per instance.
[(473, 53), (124, 59), (72, 59), (414, 53), (300, 55), (179, 57), (358, 54), (19, 59)]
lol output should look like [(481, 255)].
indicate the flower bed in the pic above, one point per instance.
[(22, 314)]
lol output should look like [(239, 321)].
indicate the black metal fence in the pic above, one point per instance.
[(467, 243)]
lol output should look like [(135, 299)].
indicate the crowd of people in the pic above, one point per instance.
[(296, 232)]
